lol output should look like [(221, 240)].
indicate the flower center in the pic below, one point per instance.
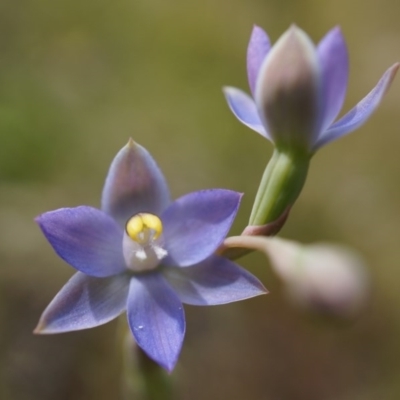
[(142, 244)]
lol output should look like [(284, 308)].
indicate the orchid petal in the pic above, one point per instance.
[(85, 302), (216, 280), (334, 63), (257, 50), (156, 318), (196, 224), (288, 90), (134, 184), (361, 112), (245, 110), (86, 238)]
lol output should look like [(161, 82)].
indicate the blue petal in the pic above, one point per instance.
[(244, 108), (134, 184), (288, 91), (86, 238), (156, 318), (85, 302), (334, 62), (214, 281), (257, 49), (361, 112), (196, 224)]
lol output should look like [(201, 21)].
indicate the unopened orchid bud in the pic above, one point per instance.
[(322, 277)]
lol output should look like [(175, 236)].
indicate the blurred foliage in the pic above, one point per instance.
[(78, 78)]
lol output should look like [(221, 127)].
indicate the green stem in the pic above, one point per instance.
[(280, 186), (142, 378)]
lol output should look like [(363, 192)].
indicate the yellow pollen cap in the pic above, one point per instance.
[(139, 225)]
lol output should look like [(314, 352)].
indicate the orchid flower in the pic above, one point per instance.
[(298, 90), (144, 255)]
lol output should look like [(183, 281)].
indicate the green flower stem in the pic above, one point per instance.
[(142, 378), (280, 186)]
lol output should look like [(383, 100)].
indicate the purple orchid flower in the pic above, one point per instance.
[(143, 254), (299, 89)]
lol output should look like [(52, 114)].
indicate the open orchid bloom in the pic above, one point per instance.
[(298, 90), (144, 255)]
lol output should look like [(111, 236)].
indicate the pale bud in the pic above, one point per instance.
[(323, 277)]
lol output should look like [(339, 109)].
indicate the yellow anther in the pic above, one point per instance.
[(144, 227), (134, 226), (154, 223)]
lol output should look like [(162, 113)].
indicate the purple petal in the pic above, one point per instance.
[(334, 62), (288, 90), (86, 238), (257, 50), (85, 302), (156, 318), (361, 112), (214, 281), (244, 108), (196, 224), (134, 184)]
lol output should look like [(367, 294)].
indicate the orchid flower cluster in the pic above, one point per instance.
[(145, 255)]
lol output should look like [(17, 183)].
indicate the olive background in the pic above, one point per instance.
[(79, 77)]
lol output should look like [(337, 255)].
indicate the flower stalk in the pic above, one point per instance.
[(141, 378), (281, 184)]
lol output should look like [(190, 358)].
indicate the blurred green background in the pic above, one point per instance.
[(78, 78)]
